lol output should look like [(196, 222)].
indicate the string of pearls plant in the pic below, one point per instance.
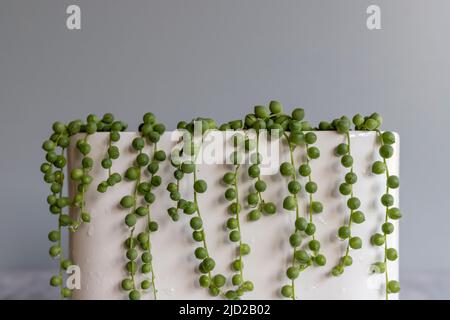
[(386, 151), (150, 133), (234, 223), (112, 153), (174, 187), (247, 135), (261, 119), (303, 228), (213, 283), (53, 170), (353, 203)]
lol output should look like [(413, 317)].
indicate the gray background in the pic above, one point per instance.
[(182, 58)]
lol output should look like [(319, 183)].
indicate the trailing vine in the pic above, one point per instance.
[(386, 151), (314, 206), (59, 139), (291, 203), (213, 283), (152, 226), (234, 223), (112, 153), (53, 170), (262, 119), (150, 131), (82, 174), (353, 203), (144, 174), (301, 260)]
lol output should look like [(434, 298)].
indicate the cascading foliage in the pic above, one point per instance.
[(112, 154), (353, 203), (233, 224), (296, 132), (386, 151), (139, 204), (53, 170), (304, 227), (213, 283)]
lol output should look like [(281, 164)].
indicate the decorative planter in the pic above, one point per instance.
[(98, 247)]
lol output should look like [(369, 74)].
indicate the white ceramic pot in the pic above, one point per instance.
[(98, 247)]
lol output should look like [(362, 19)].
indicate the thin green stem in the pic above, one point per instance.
[(386, 219), (310, 195), (200, 216), (349, 224), (261, 200), (61, 254), (149, 244), (83, 191), (203, 230), (109, 146), (297, 213), (151, 261), (235, 184), (138, 181), (198, 213)]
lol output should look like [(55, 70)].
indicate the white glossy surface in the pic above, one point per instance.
[(98, 247)]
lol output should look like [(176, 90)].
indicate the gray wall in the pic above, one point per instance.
[(182, 58)]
